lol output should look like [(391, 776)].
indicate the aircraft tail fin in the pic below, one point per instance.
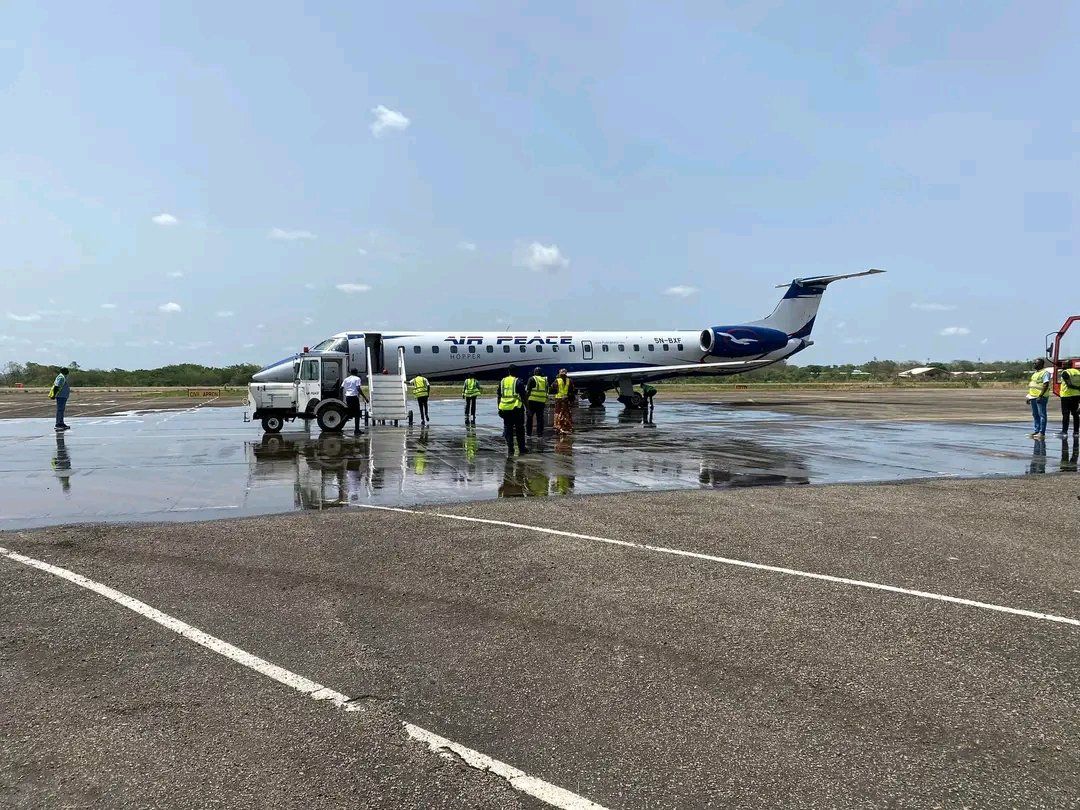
[(795, 313)]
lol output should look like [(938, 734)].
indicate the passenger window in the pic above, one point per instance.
[(637, 347), (523, 349), (434, 349), (490, 349), (679, 347), (572, 347), (622, 347), (603, 347), (539, 348), (667, 348), (453, 349), (506, 349), (554, 348), (652, 348), (472, 349), (416, 349)]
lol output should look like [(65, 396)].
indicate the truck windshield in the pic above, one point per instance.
[(334, 344)]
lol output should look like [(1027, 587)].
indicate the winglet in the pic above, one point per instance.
[(824, 281)]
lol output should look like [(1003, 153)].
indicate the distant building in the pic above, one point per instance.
[(973, 373), (923, 372)]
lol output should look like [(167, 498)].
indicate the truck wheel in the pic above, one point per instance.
[(331, 418), (273, 424)]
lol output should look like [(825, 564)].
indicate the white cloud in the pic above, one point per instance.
[(950, 331), (541, 257), (108, 306), (308, 321), (248, 346), (361, 251), (309, 286), (857, 341), (386, 120), (290, 236), (165, 219), (469, 246), (225, 313), (350, 288), (681, 290), (176, 274), (932, 307), (33, 316), (839, 325), (984, 341), (172, 306)]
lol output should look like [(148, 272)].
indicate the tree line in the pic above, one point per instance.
[(189, 375), (184, 375)]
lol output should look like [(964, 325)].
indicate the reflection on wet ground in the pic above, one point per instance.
[(204, 463)]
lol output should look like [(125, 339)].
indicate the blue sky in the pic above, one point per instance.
[(555, 165)]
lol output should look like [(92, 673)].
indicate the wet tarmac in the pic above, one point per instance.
[(207, 463)]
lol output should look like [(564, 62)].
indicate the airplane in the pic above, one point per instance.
[(596, 361)]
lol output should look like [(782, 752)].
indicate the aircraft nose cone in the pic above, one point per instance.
[(278, 372)]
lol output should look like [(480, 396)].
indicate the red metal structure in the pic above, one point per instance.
[(1064, 350)]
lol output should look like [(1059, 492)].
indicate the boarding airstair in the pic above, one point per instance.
[(386, 392)]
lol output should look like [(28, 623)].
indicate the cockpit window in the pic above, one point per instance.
[(334, 344)]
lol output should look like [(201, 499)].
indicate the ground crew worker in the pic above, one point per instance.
[(1069, 391), (564, 399), (421, 388), (1038, 394), (647, 394), (511, 398), (469, 392), (537, 389), (353, 388), (60, 391)]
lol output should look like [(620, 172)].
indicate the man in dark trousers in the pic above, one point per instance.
[(511, 397), (353, 387), (536, 401), (60, 391)]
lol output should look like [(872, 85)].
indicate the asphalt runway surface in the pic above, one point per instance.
[(720, 644), (659, 673)]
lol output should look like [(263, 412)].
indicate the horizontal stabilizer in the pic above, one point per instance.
[(824, 281)]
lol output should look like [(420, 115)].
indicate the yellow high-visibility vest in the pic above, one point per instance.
[(539, 392), (1035, 385), (421, 387), (1069, 375), (471, 388), (562, 387), (508, 395)]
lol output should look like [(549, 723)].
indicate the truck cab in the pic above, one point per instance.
[(315, 393)]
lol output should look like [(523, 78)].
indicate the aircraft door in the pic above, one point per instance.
[(586, 350), (373, 343)]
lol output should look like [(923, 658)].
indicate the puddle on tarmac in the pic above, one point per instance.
[(188, 465)]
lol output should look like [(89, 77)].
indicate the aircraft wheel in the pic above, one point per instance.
[(597, 398), (332, 418), (273, 424), (636, 400)]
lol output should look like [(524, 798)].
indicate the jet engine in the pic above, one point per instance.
[(741, 341)]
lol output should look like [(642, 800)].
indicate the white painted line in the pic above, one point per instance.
[(517, 779), (776, 569)]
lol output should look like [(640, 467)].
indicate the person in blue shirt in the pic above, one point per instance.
[(60, 392)]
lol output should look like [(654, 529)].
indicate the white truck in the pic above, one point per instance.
[(315, 393)]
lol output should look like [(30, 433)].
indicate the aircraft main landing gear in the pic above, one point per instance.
[(596, 398), (634, 401)]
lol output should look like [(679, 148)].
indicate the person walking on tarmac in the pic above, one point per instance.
[(421, 389), (511, 399), (1038, 394), (537, 389), (469, 392), (1069, 391), (564, 400), (353, 388), (60, 391)]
